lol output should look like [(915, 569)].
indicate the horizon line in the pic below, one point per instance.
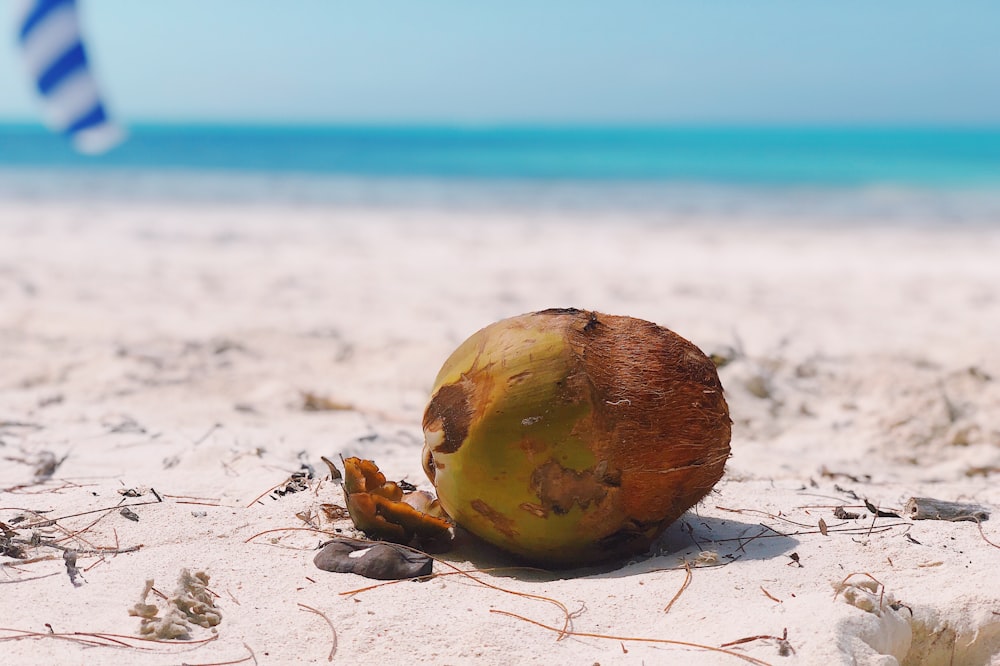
[(568, 126)]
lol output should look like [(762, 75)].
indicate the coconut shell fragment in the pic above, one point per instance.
[(380, 509), (569, 437)]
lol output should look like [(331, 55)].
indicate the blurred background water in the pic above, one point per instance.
[(740, 156), (949, 174), (859, 111)]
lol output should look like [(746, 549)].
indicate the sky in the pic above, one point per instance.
[(460, 62)]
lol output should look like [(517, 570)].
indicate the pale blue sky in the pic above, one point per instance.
[(539, 61)]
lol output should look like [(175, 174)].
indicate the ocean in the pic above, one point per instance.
[(949, 172)]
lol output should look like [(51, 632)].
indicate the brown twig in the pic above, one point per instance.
[(269, 490), (25, 580), (291, 529), (784, 647), (333, 648), (567, 616), (48, 522), (770, 596), (48, 543), (661, 641), (31, 560), (979, 524), (684, 586)]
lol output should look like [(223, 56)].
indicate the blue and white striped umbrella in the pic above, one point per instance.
[(49, 35)]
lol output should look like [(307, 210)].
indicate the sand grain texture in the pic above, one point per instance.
[(166, 347)]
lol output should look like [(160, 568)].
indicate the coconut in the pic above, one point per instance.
[(569, 437)]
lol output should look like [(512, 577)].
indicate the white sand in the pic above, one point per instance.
[(165, 347)]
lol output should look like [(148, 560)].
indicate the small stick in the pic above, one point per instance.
[(101, 639), (750, 639), (928, 508), (983, 534), (269, 490), (249, 657)]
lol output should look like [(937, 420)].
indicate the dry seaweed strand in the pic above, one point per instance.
[(845, 530), (64, 484), (285, 482), (684, 586), (979, 524), (437, 574), (77, 535), (48, 522), (250, 657), (784, 647), (193, 498), (25, 580), (660, 641), (769, 515), (102, 639), (333, 648), (750, 639), (314, 530)]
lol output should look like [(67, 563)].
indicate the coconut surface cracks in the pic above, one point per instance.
[(568, 437)]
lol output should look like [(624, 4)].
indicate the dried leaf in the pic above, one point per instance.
[(312, 402)]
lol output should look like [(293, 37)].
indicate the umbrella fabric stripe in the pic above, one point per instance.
[(56, 60)]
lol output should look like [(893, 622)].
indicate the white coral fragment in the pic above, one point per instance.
[(192, 603)]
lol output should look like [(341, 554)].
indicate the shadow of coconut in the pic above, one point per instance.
[(698, 540), (707, 541)]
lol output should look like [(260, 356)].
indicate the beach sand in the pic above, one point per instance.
[(161, 352)]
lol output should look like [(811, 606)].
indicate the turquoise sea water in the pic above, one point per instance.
[(744, 156), (944, 172)]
